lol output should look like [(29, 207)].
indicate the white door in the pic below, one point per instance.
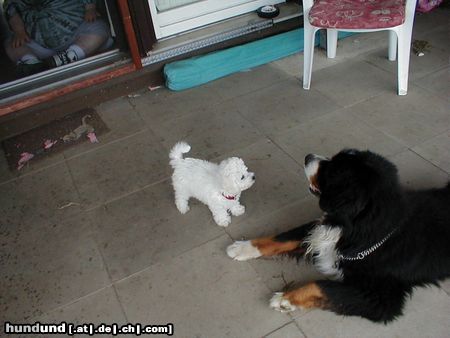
[(175, 16)]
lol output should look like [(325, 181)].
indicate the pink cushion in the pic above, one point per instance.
[(357, 14)]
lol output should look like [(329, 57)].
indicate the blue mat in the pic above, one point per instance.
[(199, 70)]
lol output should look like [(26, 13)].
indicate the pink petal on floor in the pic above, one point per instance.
[(24, 158), (49, 143), (92, 137)]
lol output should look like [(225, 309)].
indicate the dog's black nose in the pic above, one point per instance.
[(254, 177), (309, 158)]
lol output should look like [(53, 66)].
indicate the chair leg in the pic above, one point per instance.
[(308, 55), (332, 36), (392, 54), (404, 50)]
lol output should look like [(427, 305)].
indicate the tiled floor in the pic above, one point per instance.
[(123, 253)]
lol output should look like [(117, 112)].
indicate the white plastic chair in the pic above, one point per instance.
[(399, 36)]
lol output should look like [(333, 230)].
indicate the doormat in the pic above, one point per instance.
[(82, 126)]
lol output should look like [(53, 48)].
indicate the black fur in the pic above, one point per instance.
[(360, 192)]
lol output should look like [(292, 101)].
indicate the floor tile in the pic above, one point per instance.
[(283, 106), (46, 265), (210, 131), (426, 23), (248, 81), (425, 315), (156, 107), (133, 257), (411, 119), (280, 272), (347, 48), (277, 220), (446, 285), (352, 81), (5, 173), (97, 308), (119, 168), (279, 181), (38, 196), (203, 293), (329, 134), (419, 66), (437, 83), (35, 165), (293, 64), (359, 44), (288, 331), (436, 150), (276, 272), (120, 118), (417, 173), (145, 228), (32, 166)]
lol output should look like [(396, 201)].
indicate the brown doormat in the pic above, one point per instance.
[(52, 138)]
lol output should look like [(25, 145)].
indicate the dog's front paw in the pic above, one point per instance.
[(277, 302), (223, 220), (183, 208), (242, 251), (238, 210)]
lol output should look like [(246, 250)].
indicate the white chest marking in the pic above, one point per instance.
[(321, 247)]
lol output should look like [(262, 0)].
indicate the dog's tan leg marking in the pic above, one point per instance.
[(307, 297), (269, 247)]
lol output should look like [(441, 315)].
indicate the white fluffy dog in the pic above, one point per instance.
[(219, 186)]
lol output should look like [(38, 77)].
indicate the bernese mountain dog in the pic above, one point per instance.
[(375, 242)]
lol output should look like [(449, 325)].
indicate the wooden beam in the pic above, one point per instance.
[(130, 33), (46, 96)]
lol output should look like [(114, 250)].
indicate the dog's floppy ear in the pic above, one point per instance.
[(345, 202), (347, 194), (230, 170)]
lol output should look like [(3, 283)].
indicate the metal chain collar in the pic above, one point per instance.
[(363, 254)]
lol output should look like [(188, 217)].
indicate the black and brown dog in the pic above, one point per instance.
[(375, 242)]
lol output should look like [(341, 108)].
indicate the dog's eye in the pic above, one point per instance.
[(242, 177)]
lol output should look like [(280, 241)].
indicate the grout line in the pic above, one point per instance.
[(71, 302), (299, 328), (32, 172), (113, 283), (65, 159), (428, 161), (127, 320), (269, 136), (417, 81), (136, 111), (165, 260), (275, 143), (138, 189), (278, 328), (104, 145), (273, 212), (394, 138), (73, 183)]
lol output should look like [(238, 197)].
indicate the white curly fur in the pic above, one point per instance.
[(321, 247), (209, 183)]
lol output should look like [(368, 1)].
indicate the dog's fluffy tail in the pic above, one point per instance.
[(178, 150)]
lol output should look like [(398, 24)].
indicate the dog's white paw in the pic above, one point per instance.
[(238, 210), (277, 302), (184, 208), (242, 251), (223, 221)]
